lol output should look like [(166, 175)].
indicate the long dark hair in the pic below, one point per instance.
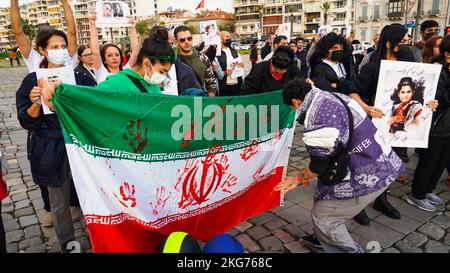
[(103, 54), (417, 87), (392, 33), (427, 54), (444, 47), (42, 40), (157, 47)]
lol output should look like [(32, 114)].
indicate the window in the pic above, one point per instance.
[(364, 12), (376, 12), (363, 35), (340, 16), (435, 7), (395, 7)]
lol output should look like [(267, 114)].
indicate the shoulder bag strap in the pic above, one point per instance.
[(138, 83), (350, 122)]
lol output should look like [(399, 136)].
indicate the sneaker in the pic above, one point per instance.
[(47, 219), (76, 214), (434, 199), (422, 204), (310, 241)]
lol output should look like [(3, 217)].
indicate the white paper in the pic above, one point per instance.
[(112, 14), (64, 74), (357, 49), (285, 30), (210, 32), (401, 126), (237, 72)]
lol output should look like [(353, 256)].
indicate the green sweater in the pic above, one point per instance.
[(121, 82)]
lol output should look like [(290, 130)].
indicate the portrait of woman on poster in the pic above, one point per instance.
[(107, 10), (407, 108)]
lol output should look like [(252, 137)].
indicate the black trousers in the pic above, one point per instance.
[(74, 202), (230, 90), (2, 232), (432, 162)]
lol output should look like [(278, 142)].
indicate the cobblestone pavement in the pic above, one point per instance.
[(275, 231)]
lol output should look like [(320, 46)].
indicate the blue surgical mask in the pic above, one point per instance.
[(58, 56)]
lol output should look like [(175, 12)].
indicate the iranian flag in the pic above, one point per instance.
[(148, 165)]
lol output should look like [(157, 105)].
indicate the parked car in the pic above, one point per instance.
[(245, 47)]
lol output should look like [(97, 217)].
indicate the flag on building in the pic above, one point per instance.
[(201, 5), (148, 165)]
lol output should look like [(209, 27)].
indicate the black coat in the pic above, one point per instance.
[(223, 65), (324, 76), (185, 77), (265, 50), (260, 81), (441, 118), (254, 54)]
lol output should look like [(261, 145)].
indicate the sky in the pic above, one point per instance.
[(226, 5)]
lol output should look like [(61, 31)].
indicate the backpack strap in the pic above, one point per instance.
[(138, 83)]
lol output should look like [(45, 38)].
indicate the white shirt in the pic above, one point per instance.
[(268, 57), (230, 62), (34, 60), (172, 86), (338, 68)]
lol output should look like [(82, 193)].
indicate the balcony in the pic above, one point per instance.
[(434, 13), (363, 18), (376, 18), (395, 15), (312, 21)]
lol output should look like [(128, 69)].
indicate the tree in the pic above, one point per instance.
[(29, 29), (326, 10), (291, 10), (143, 28)]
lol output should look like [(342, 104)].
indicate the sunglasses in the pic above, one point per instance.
[(189, 39), (171, 59)]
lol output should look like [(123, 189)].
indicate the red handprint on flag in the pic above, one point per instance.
[(127, 194), (161, 198), (137, 141)]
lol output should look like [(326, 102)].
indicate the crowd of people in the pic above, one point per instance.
[(324, 76)]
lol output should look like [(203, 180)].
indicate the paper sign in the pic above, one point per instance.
[(112, 14), (45, 76)]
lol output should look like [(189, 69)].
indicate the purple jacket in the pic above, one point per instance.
[(373, 165)]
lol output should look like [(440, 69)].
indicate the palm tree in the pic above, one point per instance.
[(291, 10), (29, 29), (326, 9)]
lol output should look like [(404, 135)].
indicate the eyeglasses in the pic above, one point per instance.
[(171, 59), (189, 39), (87, 55)]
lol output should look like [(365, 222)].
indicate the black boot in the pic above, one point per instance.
[(362, 218), (382, 204)]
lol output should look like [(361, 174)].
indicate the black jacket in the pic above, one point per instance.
[(185, 76), (265, 50), (324, 75), (260, 81), (441, 118), (254, 54), (80, 68), (45, 143)]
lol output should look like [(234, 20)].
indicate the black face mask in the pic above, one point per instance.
[(337, 55), (429, 35), (227, 42)]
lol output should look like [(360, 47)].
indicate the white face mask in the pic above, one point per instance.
[(58, 56), (156, 78)]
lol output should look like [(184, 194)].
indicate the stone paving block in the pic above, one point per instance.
[(416, 239), (35, 194), (248, 244), (272, 243), (233, 232), (436, 247), (371, 212), (14, 181), (442, 221), (308, 204), (351, 225), (414, 213), (404, 225), (283, 236), (11, 225), (32, 231), (377, 232), (38, 204), (405, 247), (432, 231), (294, 231), (257, 232), (275, 224), (287, 204), (390, 250), (22, 204), (29, 242), (6, 216), (243, 226), (16, 192), (445, 196), (447, 239), (7, 209), (295, 215), (308, 228), (42, 248), (14, 236), (262, 218), (361, 241), (298, 195), (296, 247), (23, 212), (26, 221)]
